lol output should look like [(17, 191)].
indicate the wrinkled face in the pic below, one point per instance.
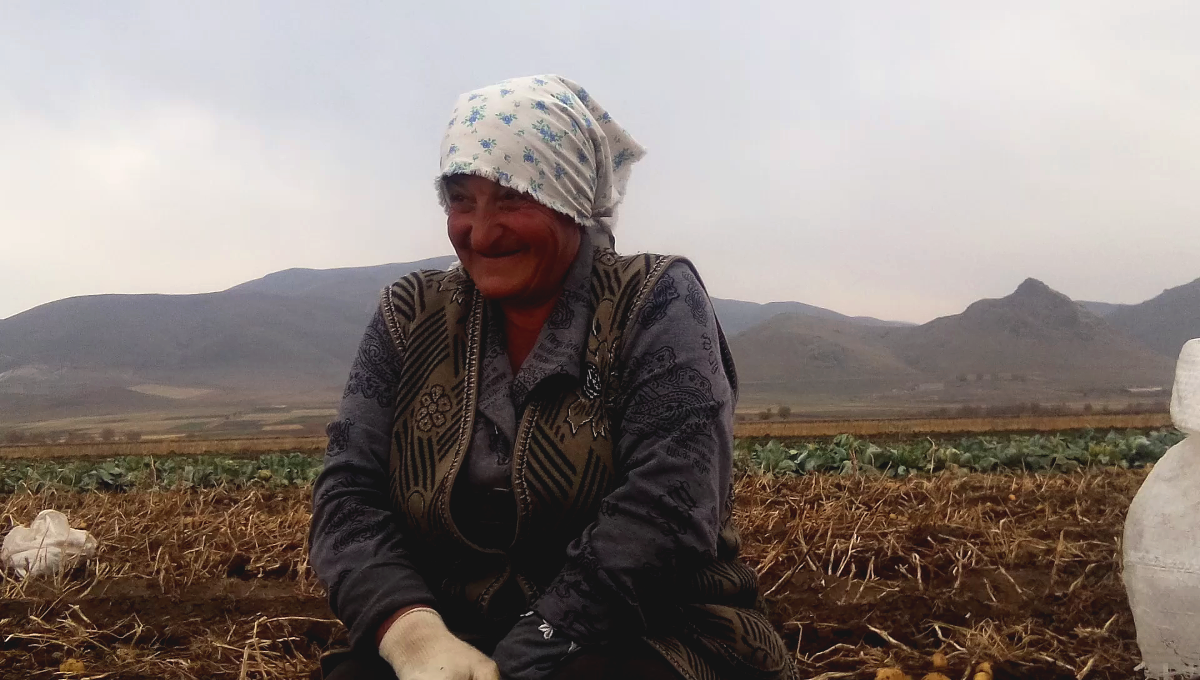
[(516, 250)]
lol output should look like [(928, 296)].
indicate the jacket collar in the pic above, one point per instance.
[(559, 349)]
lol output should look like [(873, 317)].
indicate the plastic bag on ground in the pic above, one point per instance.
[(43, 546), (1162, 541)]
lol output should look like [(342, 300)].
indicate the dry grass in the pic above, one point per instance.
[(777, 428), (861, 573), (164, 447), (1022, 571), (185, 585), (925, 426)]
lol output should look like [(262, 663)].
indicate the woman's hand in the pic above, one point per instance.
[(532, 650), (420, 647)]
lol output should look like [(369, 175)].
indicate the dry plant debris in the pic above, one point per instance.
[(862, 574)]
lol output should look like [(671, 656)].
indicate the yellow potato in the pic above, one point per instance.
[(984, 667), (935, 676), (983, 676), (72, 666), (939, 661), (890, 674)]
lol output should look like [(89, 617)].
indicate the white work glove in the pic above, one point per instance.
[(419, 647)]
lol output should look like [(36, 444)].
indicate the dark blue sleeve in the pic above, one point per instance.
[(356, 546), (674, 454)]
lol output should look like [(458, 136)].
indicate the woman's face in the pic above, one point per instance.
[(516, 250)]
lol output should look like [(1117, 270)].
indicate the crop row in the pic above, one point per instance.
[(847, 454), (844, 454)]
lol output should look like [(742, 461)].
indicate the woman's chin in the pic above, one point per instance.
[(497, 288)]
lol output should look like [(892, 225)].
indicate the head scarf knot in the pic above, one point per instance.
[(547, 137)]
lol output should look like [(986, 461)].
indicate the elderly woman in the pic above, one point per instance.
[(530, 473)]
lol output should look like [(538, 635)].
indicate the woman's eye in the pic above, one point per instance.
[(512, 199), (459, 201)]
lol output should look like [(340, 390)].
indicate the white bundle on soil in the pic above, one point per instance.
[(45, 545)]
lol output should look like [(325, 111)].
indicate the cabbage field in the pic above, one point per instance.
[(872, 553), (844, 454)]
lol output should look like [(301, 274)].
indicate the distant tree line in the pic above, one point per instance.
[(1018, 409), (107, 434)]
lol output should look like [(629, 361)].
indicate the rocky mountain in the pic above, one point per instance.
[(1163, 323), (1035, 333)]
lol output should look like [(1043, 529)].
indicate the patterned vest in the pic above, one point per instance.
[(562, 468)]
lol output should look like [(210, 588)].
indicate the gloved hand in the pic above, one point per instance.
[(419, 647)]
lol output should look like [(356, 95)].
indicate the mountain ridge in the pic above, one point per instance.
[(292, 334), (1164, 322), (1035, 339)]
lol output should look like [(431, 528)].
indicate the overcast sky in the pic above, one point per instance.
[(893, 159)]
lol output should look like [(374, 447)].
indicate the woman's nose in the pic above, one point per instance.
[(485, 229)]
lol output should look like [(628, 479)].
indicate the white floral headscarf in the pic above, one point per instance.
[(544, 136)]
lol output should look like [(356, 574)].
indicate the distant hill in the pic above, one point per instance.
[(818, 354), (357, 284), (1101, 309), (351, 285), (1163, 323), (82, 355), (155, 335), (1035, 333), (738, 315), (289, 337)]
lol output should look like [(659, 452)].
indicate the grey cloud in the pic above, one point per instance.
[(897, 160)]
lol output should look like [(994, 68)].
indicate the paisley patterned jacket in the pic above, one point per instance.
[(659, 512)]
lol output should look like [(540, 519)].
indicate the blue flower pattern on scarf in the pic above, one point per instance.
[(475, 116), (548, 135)]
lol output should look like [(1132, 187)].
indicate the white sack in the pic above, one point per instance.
[(1185, 400), (43, 546), (1162, 541)]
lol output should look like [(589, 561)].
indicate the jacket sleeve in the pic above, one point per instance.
[(356, 546), (674, 455)]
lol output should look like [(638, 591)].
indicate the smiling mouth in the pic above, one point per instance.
[(498, 256)]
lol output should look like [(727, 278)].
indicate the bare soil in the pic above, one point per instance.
[(861, 573)]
